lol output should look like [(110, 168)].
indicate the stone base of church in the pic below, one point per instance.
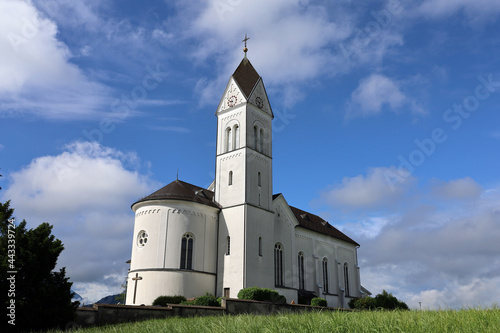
[(105, 314)]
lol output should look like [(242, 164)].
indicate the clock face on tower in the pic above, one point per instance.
[(232, 100), (259, 102)]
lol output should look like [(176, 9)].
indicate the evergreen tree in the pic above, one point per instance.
[(39, 297)]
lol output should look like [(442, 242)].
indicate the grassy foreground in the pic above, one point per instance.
[(467, 320)]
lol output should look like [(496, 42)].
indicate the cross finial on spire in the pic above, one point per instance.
[(245, 41)]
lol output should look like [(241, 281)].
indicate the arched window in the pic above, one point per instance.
[(278, 264), (228, 250), (261, 140), (255, 137), (228, 140), (325, 275), (236, 130), (259, 179), (300, 259), (187, 251), (260, 246), (346, 279), (230, 181)]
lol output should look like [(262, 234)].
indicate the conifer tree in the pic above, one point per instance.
[(39, 297)]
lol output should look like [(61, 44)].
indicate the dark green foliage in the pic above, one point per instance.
[(384, 300), (164, 300), (262, 294), (190, 302), (318, 301), (389, 302), (42, 296), (365, 303), (207, 300)]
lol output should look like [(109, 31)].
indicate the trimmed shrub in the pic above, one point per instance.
[(318, 301), (164, 300), (207, 300), (262, 294)]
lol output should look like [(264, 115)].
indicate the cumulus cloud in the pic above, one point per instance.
[(376, 93), (464, 188), (291, 42), (85, 192), (375, 190), (437, 246), (36, 75), (477, 12)]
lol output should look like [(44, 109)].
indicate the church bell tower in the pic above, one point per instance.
[(243, 179), (244, 141)]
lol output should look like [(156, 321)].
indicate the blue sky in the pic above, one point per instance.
[(386, 124)]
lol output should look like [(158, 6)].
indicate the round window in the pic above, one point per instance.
[(142, 238)]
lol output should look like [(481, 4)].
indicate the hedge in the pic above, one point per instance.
[(164, 300), (261, 294), (318, 301)]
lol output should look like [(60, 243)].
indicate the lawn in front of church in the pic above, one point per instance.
[(464, 320)]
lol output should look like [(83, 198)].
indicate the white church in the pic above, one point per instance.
[(236, 234)]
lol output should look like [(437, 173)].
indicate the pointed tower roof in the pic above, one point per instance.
[(179, 190), (246, 76)]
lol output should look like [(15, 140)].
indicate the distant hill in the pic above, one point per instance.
[(76, 297), (111, 299)]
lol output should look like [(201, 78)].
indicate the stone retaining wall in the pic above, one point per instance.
[(105, 314)]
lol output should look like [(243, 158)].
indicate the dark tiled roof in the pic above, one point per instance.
[(246, 76), (179, 190), (315, 223)]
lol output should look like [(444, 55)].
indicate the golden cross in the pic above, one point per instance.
[(245, 40), (245, 48)]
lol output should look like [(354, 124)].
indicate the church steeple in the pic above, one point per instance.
[(243, 179), (244, 140)]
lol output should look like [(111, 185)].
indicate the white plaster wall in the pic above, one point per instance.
[(336, 251), (232, 267), (258, 163), (262, 120), (149, 219), (305, 244), (166, 222), (229, 118), (284, 233), (259, 269), (230, 195), (158, 283)]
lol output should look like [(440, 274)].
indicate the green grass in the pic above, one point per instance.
[(467, 320)]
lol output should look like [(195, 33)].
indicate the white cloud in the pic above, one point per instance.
[(421, 245), (36, 74), (86, 193), (373, 93), (455, 295), (291, 42), (477, 12), (375, 190), (82, 14), (464, 188)]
